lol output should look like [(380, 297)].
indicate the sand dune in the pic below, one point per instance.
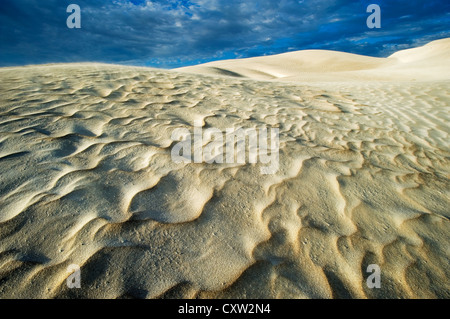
[(364, 178), (428, 63)]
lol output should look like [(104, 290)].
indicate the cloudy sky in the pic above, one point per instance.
[(168, 33)]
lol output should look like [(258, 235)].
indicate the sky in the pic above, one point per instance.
[(170, 34)]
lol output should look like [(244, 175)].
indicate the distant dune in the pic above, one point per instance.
[(428, 63), (87, 178)]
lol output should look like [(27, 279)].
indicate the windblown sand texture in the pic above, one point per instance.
[(86, 178)]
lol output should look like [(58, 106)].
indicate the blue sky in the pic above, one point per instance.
[(169, 34)]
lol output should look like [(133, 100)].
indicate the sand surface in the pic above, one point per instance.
[(87, 178), (428, 63)]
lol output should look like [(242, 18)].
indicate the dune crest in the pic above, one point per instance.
[(87, 179), (428, 63)]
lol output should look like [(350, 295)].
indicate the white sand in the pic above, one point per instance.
[(428, 63), (87, 178)]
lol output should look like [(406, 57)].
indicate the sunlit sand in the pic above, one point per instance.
[(87, 178)]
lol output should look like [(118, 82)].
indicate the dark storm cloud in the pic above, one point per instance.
[(173, 33)]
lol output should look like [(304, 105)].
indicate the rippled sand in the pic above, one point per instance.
[(87, 178)]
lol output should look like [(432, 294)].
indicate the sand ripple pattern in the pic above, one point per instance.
[(86, 178)]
